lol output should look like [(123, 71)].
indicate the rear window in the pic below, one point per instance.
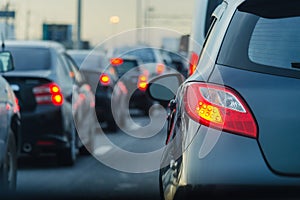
[(78, 58), (93, 62), (126, 66), (30, 58), (275, 42), (146, 55), (261, 42)]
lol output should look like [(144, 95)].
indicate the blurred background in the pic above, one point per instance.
[(90, 21)]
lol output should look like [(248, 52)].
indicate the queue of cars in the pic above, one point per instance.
[(47, 101), (152, 62), (103, 79), (51, 94), (233, 125)]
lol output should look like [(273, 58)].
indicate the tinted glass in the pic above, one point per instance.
[(275, 42), (78, 58), (146, 55), (30, 58), (211, 5), (264, 44), (126, 66)]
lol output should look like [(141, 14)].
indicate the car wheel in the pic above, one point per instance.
[(8, 176), (67, 156)]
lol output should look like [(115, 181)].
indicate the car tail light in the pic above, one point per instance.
[(104, 79), (193, 63), (49, 93), (142, 82), (17, 106), (160, 68), (219, 107), (116, 61)]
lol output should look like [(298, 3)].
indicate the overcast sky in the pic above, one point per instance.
[(96, 27)]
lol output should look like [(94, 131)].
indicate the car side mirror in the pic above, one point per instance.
[(164, 88), (6, 61)]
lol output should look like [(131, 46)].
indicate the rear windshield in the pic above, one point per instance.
[(146, 55), (30, 58), (78, 58), (258, 42), (126, 66)]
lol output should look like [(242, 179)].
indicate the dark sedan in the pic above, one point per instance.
[(234, 124), (135, 76), (110, 94), (9, 128), (50, 96)]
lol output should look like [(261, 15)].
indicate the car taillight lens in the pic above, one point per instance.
[(116, 61), (160, 68), (104, 79), (219, 107), (142, 82), (17, 107), (49, 93), (193, 63)]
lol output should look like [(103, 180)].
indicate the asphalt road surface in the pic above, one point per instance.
[(108, 174)]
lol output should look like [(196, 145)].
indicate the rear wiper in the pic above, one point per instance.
[(296, 65)]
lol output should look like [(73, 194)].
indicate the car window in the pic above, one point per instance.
[(145, 54), (211, 5), (74, 71), (275, 42), (126, 66), (30, 58), (79, 58), (267, 44), (63, 73)]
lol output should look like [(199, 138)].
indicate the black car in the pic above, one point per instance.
[(135, 76), (153, 64), (9, 128), (234, 124), (51, 99), (176, 60), (110, 94)]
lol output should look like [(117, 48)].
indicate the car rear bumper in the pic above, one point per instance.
[(43, 130), (103, 107), (216, 162), (228, 159), (140, 100)]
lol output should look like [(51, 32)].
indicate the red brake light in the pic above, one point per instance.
[(160, 68), (116, 61), (142, 82), (17, 108), (49, 93), (104, 79), (193, 63), (219, 107)]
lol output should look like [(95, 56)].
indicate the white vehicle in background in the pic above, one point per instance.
[(201, 22)]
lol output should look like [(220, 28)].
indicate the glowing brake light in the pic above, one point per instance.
[(116, 61), (104, 79), (142, 82), (160, 68), (193, 63), (49, 93), (219, 107)]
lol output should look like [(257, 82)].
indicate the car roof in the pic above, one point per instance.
[(35, 43)]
